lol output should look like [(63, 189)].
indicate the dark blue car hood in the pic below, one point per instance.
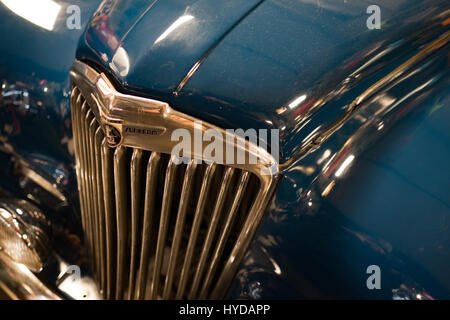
[(159, 41), (247, 63)]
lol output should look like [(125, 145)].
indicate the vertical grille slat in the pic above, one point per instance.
[(184, 201), (148, 237), (82, 145), (76, 109), (243, 181), (82, 165), (85, 170), (155, 228), (225, 186), (100, 205), (136, 180), (169, 186), (120, 180), (204, 192), (93, 125), (110, 217), (247, 234)]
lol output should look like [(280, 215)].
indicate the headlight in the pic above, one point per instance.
[(23, 233)]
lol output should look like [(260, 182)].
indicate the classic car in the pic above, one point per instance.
[(348, 194)]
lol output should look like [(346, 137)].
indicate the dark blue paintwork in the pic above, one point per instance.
[(389, 207), (158, 63)]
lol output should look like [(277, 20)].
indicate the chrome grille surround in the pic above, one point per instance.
[(149, 236)]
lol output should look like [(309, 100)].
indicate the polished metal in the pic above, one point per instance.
[(127, 112), (122, 220), (178, 234), (100, 205), (23, 168), (110, 225), (20, 283), (169, 186), (149, 220), (223, 237), (206, 187), (24, 233), (323, 135), (145, 214), (137, 177), (224, 189)]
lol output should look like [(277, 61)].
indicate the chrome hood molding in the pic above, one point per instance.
[(148, 124)]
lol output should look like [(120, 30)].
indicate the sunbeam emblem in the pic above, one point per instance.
[(113, 135)]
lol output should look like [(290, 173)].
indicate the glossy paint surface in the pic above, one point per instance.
[(374, 192), (158, 41), (257, 67)]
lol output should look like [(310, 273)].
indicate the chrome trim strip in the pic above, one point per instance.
[(369, 92), (75, 103), (120, 110), (87, 117), (245, 237), (136, 175), (93, 196), (225, 186), (198, 216), (83, 173), (224, 234), (207, 53), (120, 179), (148, 237), (100, 206), (110, 217), (178, 233), (169, 185)]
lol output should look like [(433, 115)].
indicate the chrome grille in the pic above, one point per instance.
[(155, 229)]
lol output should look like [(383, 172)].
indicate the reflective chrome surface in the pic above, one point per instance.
[(146, 235), (19, 283), (318, 136), (24, 233), (128, 113), (372, 190)]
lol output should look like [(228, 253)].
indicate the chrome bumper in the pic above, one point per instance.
[(19, 283)]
